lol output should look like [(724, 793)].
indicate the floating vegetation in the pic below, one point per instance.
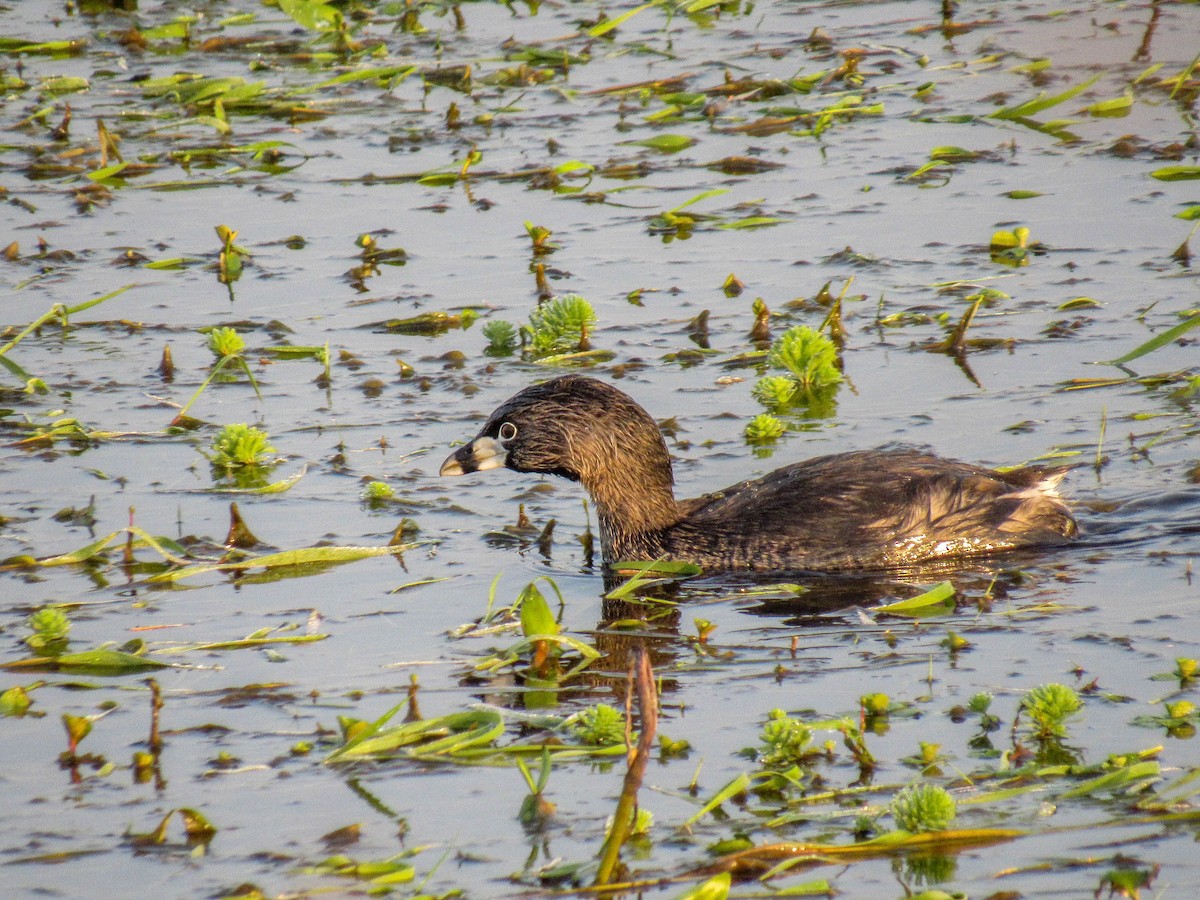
[(764, 428), (401, 171), (923, 807), (810, 362), (503, 338), (238, 446), (559, 331)]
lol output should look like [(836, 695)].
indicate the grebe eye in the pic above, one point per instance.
[(508, 431)]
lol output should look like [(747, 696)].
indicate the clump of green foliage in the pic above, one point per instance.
[(785, 741), (600, 726), (229, 261), (809, 374), (378, 492), (809, 357), (50, 628), (923, 807), (225, 342), (238, 446), (502, 337), (227, 346), (560, 325), (775, 391), (764, 428), (1048, 707)]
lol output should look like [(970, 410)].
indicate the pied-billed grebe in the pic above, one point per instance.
[(868, 509)]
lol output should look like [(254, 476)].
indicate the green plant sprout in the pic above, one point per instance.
[(535, 808), (1048, 708), (227, 346), (539, 238), (785, 741), (503, 338), (764, 428), (923, 807), (229, 260), (377, 492), (225, 342), (599, 726), (810, 377), (240, 445), (776, 391), (50, 628), (560, 325), (808, 355)]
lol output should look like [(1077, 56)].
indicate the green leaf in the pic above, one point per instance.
[(703, 195), (536, 617), (1042, 102), (107, 171), (88, 304), (246, 643), (391, 75), (444, 736), (716, 888), (1111, 780), (1079, 303), (938, 598), (175, 263), (438, 179), (608, 25), (1159, 340), (1114, 108), (753, 222), (666, 143), (15, 701), (657, 567), (1176, 173), (951, 153), (315, 15), (64, 84), (101, 661), (1190, 214), (735, 788), (275, 487), (305, 556)]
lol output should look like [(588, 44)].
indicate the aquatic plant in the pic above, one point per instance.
[(598, 726), (535, 808), (560, 324), (809, 361), (227, 346), (239, 445), (225, 342), (229, 260), (785, 741), (1048, 708), (923, 807), (377, 492), (503, 338), (50, 627), (808, 355), (1010, 248), (764, 428), (539, 238), (776, 391)]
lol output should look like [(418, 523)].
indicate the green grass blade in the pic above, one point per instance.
[(1159, 340)]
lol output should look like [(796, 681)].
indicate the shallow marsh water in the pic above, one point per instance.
[(1116, 609)]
